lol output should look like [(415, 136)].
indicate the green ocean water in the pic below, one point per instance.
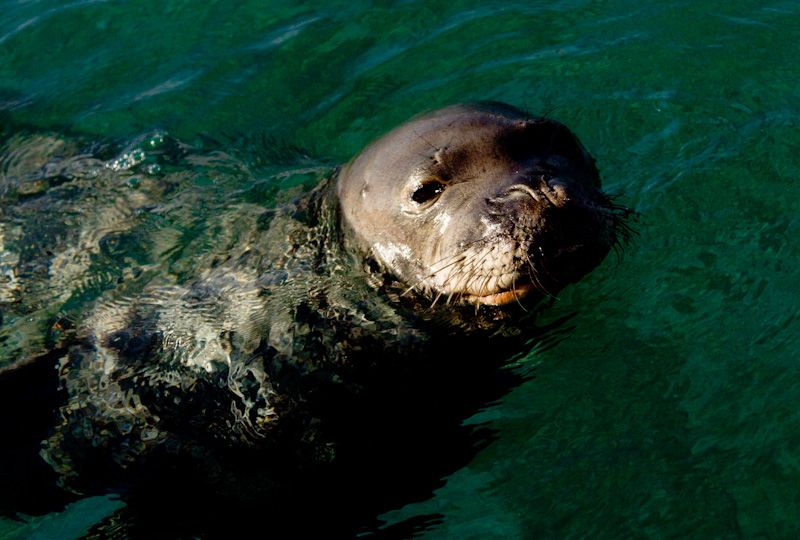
[(669, 408)]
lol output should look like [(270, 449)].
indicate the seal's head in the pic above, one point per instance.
[(479, 203)]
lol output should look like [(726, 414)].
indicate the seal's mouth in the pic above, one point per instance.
[(521, 276), (501, 298)]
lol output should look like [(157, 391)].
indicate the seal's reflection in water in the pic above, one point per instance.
[(326, 354)]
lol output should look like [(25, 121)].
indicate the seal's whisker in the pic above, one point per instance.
[(470, 285), (459, 257), (454, 271), (475, 262), (410, 289), (461, 253), (534, 275), (475, 275), (546, 272), (485, 286), (477, 284), (514, 288), (468, 276), (543, 265), (450, 265), (456, 258)]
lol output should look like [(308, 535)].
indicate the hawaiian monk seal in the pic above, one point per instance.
[(339, 317), (479, 202)]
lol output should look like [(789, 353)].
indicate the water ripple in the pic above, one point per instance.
[(38, 18), (277, 37)]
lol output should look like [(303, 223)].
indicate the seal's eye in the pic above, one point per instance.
[(428, 191)]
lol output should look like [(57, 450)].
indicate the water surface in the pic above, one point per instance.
[(669, 407)]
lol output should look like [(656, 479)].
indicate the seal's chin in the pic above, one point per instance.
[(501, 298)]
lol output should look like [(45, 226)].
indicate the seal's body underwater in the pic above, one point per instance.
[(360, 308)]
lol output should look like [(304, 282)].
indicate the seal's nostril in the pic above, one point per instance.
[(521, 190), (559, 189)]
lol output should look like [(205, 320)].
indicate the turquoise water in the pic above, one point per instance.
[(669, 408)]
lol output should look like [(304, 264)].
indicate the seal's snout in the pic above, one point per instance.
[(530, 199)]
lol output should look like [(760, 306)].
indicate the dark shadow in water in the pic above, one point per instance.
[(398, 451), (28, 399), (402, 457)]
